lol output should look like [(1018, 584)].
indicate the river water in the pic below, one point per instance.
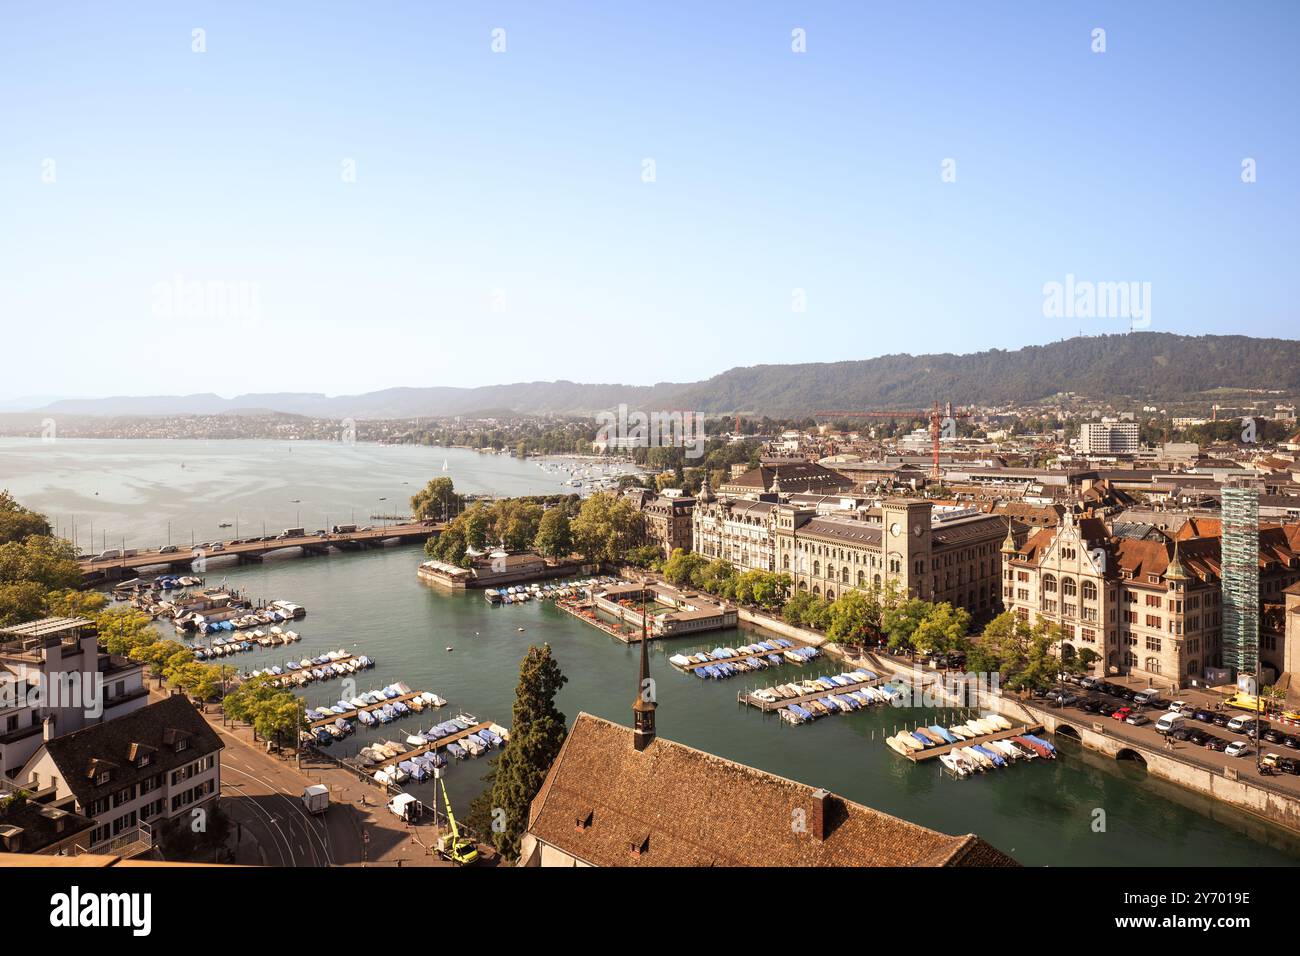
[(372, 603)]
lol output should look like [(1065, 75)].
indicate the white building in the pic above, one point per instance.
[(1109, 437), (160, 762), (55, 680)]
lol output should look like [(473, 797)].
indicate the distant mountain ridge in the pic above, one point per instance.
[(1158, 366)]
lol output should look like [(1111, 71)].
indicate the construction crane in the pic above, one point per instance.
[(452, 846), (936, 415)]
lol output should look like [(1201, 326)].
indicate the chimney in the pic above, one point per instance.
[(47, 727), (820, 813), (11, 838)]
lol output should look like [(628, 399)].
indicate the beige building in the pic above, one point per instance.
[(1150, 608)]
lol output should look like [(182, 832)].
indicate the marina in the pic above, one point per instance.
[(724, 662), (1154, 822), (383, 706), (977, 744), (462, 736), (804, 700), (309, 670)]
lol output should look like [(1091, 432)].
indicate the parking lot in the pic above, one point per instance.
[(1204, 738)]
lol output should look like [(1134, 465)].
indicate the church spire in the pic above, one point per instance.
[(1175, 571), (643, 707), (1009, 543)]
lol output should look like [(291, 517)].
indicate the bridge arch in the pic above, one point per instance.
[(1067, 730), (1128, 753)]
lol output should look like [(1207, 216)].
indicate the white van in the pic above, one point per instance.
[(1170, 722), (1243, 723), (1145, 696)]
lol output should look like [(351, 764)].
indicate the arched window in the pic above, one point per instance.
[(876, 581), (1153, 665), (862, 578), (817, 592), (817, 569), (785, 562), (844, 575), (830, 594), (830, 571), (1049, 583), (1068, 587), (1089, 591)]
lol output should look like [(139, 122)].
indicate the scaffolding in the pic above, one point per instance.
[(1241, 577)]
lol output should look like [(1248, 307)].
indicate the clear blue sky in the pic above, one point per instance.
[(522, 172)]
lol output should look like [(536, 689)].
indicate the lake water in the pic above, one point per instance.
[(372, 603)]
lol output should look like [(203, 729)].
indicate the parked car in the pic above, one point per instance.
[(1217, 744), (1122, 713), (1238, 748), (1198, 737), (1272, 735), (1292, 741), (1245, 724), (1090, 706), (1137, 720), (1204, 716), (218, 547), (1090, 682), (1182, 733), (1147, 696), (1178, 705), (168, 549), (1106, 708), (1221, 719)]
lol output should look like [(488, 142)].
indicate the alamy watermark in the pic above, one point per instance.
[(1084, 299), (57, 690), (624, 429)]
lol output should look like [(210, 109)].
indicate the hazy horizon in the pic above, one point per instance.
[(340, 200)]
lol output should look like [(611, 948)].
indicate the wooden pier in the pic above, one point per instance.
[(371, 708), (741, 658), (766, 705), (441, 742), (917, 756)]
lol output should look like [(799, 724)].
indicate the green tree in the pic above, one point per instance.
[(607, 525), (682, 566), (899, 623), (851, 620), (942, 630), (536, 734), (554, 537), (17, 523), (437, 499)]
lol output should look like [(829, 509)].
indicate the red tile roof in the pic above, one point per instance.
[(683, 807)]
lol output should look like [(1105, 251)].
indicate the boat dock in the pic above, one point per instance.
[(352, 714), (770, 705), (739, 658), (438, 744), (917, 756)]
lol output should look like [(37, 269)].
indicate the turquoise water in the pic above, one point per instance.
[(1040, 812), (371, 602)]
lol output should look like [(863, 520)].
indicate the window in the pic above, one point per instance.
[(1068, 587), (1049, 583), (1089, 591)]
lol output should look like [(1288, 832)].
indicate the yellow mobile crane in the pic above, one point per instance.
[(452, 846)]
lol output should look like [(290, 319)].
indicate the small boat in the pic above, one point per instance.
[(950, 761), (961, 733), (910, 743), (983, 760), (942, 732), (896, 744), (998, 721), (931, 735)]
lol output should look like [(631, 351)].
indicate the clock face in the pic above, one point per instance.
[(893, 529)]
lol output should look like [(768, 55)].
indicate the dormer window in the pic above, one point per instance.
[(144, 760), (584, 819), (640, 845), (182, 744), (103, 777)]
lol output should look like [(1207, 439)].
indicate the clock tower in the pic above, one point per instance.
[(905, 544)]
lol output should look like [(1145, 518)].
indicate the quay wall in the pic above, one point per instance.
[(1253, 796)]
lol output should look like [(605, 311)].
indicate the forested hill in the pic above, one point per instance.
[(1155, 366)]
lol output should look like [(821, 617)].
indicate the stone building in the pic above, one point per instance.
[(1147, 607), (667, 519)]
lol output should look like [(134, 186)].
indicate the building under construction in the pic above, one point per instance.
[(1240, 559)]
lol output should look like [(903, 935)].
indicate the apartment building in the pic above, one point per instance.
[(667, 518), (1109, 437), (158, 763), (739, 530), (55, 680)]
